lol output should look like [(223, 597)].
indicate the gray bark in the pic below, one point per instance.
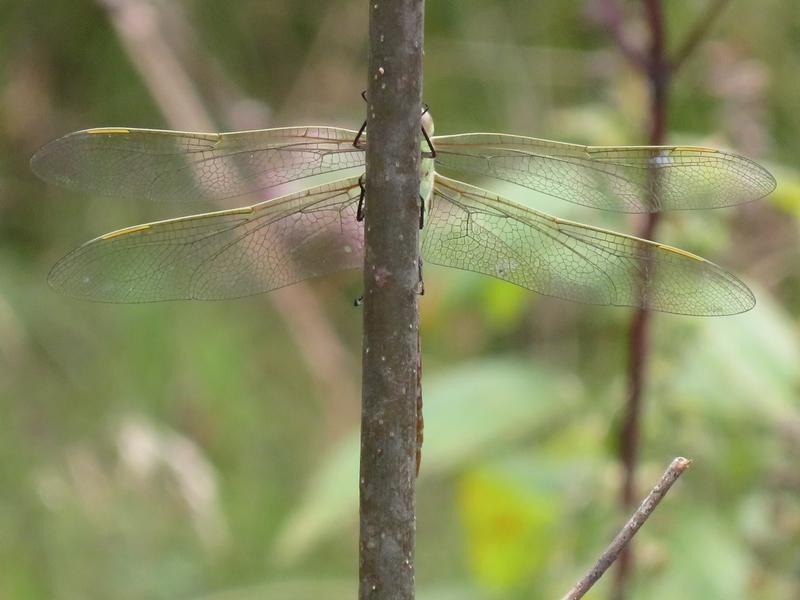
[(391, 317)]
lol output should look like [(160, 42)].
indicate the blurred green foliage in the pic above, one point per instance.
[(191, 450)]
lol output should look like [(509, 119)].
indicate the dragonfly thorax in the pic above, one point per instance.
[(427, 122), (426, 172)]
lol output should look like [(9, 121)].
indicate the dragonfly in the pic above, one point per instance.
[(269, 242)]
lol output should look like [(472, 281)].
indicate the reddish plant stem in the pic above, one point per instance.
[(658, 75), (659, 71)]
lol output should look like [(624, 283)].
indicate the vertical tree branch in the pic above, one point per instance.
[(658, 76), (391, 318), (659, 71)]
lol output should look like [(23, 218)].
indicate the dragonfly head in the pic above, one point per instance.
[(427, 120)]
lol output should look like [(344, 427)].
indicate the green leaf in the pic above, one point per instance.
[(509, 527)]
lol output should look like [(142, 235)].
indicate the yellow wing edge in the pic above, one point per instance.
[(125, 231), (453, 184), (245, 210), (107, 130), (678, 251), (588, 149), (694, 149), (670, 149), (129, 130)]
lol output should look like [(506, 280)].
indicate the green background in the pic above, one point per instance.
[(208, 450)]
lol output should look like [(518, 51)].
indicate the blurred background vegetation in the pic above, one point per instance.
[(208, 450)]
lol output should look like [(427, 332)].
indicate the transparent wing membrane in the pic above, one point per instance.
[(271, 244), (149, 164), (224, 254), (180, 166), (469, 228), (627, 179)]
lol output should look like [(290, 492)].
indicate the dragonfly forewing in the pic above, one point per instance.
[(635, 179), (223, 254), (156, 165), (469, 228)]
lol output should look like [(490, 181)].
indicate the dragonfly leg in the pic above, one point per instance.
[(356, 142), (361, 196), (360, 217), (421, 211), (432, 153)]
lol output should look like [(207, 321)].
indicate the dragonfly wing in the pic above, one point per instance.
[(223, 254), (626, 179), (469, 228), (172, 165)]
